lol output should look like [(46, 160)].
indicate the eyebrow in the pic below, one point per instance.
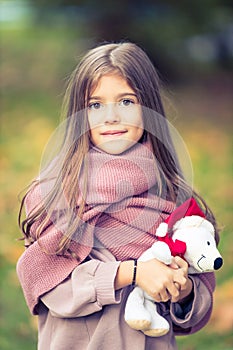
[(118, 96)]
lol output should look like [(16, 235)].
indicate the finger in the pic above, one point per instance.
[(180, 282), (180, 276), (174, 290), (178, 286), (165, 295), (175, 299), (181, 263), (160, 295), (173, 264), (157, 297)]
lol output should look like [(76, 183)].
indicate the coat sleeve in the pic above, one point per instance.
[(190, 318), (87, 290), (39, 268)]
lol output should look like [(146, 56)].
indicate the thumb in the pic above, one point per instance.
[(181, 263), (173, 264)]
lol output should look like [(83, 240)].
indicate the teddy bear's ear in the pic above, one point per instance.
[(208, 226), (189, 221), (194, 221), (162, 230)]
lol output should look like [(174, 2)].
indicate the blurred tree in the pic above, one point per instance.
[(163, 28)]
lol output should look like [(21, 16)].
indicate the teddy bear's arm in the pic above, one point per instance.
[(158, 250)]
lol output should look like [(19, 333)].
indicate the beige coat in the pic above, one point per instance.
[(86, 313)]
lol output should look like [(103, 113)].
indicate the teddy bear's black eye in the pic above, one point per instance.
[(208, 243)]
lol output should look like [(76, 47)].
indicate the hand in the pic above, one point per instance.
[(187, 287), (158, 280)]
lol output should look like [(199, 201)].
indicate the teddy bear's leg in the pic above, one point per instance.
[(136, 315), (159, 325)]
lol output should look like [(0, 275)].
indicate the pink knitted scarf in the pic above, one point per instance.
[(122, 214)]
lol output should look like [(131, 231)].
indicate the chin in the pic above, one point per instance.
[(116, 146)]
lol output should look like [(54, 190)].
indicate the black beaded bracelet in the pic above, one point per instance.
[(134, 272)]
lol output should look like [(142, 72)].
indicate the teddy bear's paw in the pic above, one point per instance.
[(156, 332), (139, 325), (159, 326)]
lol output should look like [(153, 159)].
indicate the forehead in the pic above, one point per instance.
[(110, 83)]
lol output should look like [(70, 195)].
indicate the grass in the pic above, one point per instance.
[(34, 65)]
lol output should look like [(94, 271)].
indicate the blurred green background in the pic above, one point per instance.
[(191, 44)]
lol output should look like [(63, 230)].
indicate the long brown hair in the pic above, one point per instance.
[(133, 64)]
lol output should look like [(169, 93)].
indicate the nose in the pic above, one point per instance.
[(218, 263), (111, 114)]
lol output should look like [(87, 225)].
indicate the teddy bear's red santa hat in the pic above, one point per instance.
[(163, 232), (188, 208)]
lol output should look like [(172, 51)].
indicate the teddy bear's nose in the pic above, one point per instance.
[(218, 263)]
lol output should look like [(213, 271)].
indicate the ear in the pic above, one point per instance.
[(208, 226), (189, 221), (194, 221)]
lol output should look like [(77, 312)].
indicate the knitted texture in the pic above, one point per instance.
[(121, 214)]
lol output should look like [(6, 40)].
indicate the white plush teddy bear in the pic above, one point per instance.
[(193, 238)]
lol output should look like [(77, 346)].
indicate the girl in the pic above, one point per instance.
[(95, 208)]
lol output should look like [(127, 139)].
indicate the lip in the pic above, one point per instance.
[(113, 132)]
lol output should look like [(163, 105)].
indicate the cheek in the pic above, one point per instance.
[(93, 135), (137, 119), (138, 133), (91, 121), (139, 125), (133, 117), (95, 118)]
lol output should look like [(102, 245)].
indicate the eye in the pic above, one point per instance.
[(126, 102), (94, 105), (208, 243)]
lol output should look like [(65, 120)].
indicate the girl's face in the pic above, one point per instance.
[(114, 115)]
